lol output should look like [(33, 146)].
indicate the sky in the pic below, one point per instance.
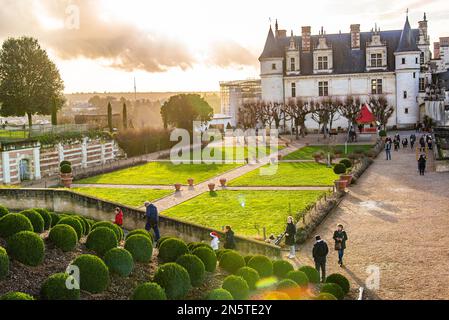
[(186, 45)]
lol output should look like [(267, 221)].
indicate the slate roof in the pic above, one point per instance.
[(407, 42), (272, 48)]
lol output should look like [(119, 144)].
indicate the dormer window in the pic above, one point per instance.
[(323, 63), (376, 52), (292, 64), (376, 60)]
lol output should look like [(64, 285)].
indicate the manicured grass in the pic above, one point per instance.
[(232, 153), (161, 173), (129, 197), (306, 153), (289, 174), (243, 210)]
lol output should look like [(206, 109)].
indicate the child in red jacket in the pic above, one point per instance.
[(118, 217)]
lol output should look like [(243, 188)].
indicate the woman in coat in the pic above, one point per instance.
[(229, 238), (340, 237), (290, 233), (422, 164)]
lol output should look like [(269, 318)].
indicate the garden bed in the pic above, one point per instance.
[(307, 153)]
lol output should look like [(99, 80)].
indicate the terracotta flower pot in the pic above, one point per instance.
[(190, 182), (66, 179), (211, 186), (340, 185), (347, 178), (223, 182), (178, 186)]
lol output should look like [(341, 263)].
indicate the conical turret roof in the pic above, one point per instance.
[(271, 49), (407, 42)]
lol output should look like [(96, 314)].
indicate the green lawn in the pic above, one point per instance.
[(232, 153), (160, 173), (129, 197), (306, 153), (243, 210), (290, 174)]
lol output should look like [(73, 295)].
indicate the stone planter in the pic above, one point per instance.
[(340, 185), (178, 186), (347, 178), (211, 186), (223, 182), (66, 179), (190, 182)]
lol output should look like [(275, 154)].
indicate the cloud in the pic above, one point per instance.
[(229, 53)]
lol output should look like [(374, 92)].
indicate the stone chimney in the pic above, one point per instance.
[(306, 38), (355, 36), (436, 50), (282, 33)]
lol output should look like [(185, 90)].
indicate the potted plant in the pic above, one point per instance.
[(223, 182), (66, 175), (346, 176), (211, 186), (190, 182), (340, 185), (178, 187)]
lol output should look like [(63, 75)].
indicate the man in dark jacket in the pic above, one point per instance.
[(229, 238), (340, 237), (320, 251), (152, 219)]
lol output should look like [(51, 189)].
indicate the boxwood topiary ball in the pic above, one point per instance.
[(140, 247), (93, 273), (161, 240), (341, 280), (312, 274), (247, 258), (299, 277), (289, 287), (16, 296), (276, 295), (325, 296), (174, 279), (74, 223), (13, 223), (334, 289), (64, 237), (141, 232), (250, 275), (339, 168), (27, 248), (55, 288), (119, 261), (149, 291), (208, 257), (35, 219), (101, 240), (3, 211), (4, 264), (193, 245), (171, 249), (220, 252), (232, 261), (219, 294), (346, 162), (236, 286), (54, 219), (84, 224), (194, 266), (116, 229), (46, 216), (262, 265), (281, 268)]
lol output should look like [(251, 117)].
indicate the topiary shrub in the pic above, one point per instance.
[(54, 219), (339, 168), (171, 249), (194, 266), (101, 240), (45, 216), (281, 268), (262, 265), (4, 264), (55, 288), (64, 237), (27, 248), (289, 287), (106, 224), (219, 294), (341, 280), (346, 162), (93, 273), (312, 274), (119, 261), (275, 295), (325, 296), (231, 261), (299, 277), (149, 291), (208, 257), (16, 296), (3, 211), (140, 247), (74, 223), (35, 219), (236, 286), (13, 223), (334, 289), (220, 252), (65, 162), (141, 232), (193, 245), (161, 240), (66, 169), (84, 224), (174, 279), (250, 275), (247, 258)]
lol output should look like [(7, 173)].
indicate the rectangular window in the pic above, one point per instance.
[(414, 75), (323, 88), (422, 85), (273, 66), (293, 90), (416, 60), (421, 57), (376, 86), (403, 60), (405, 94), (376, 60), (292, 64), (322, 63), (406, 110)]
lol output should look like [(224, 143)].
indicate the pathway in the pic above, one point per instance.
[(397, 221)]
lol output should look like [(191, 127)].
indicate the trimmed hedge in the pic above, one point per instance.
[(219, 294), (149, 291), (339, 168), (119, 261), (13, 223), (93, 273), (172, 249), (174, 279), (35, 218), (262, 265), (140, 247), (55, 288), (46, 216), (16, 296), (276, 295), (74, 223), (334, 289), (236, 286), (250, 275), (115, 228), (64, 237), (346, 162), (341, 280), (54, 219), (3, 211), (140, 231), (325, 296), (4, 264), (312, 274), (162, 239), (84, 224), (194, 266), (193, 245), (101, 240), (220, 252), (299, 277), (289, 287), (247, 258), (208, 257), (26, 247), (232, 261), (281, 268)]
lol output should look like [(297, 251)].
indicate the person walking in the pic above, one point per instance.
[(290, 233), (422, 164), (429, 143), (229, 238), (404, 143), (152, 219), (388, 149), (319, 252), (340, 237), (215, 242), (118, 217), (422, 144), (412, 140)]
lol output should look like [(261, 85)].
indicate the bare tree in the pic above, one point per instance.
[(296, 109), (350, 109), (334, 105), (320, 114), (247, 115), (381, 109)]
